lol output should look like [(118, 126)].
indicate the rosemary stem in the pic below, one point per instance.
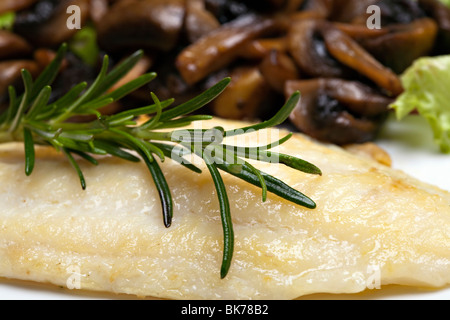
[(6, 137), (152, 135)]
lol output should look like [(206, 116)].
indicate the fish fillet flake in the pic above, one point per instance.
[(372, 226)]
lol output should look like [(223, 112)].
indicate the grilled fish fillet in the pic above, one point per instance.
[(372, 226)]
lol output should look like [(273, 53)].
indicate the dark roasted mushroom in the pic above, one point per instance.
[(277, 68), (405, 34), (145, 24), (403, 43), (441, 14), (220, 47), (199, 21), (399, 11), (322, 7), (322, 50), (10, 74), (307, 46), (12, 45), (14, 5), (226, 10), (351, 54), (260, 48), (45, 23), (338, 111), (244, 98), (347, 11)]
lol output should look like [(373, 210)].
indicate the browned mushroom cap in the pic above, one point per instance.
[(199, 21), (399, 11), (337, 111), (277, 68), (307, 46), (220, 47), (322, 7), (145, 24), (403, 44), (10, 74), (244, 97), (258, 49), (293, 5), (441, 14), (346, 11), (350, 53), (14, 5), (49, 29), (12, 45)]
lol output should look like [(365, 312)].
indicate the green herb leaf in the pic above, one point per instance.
[(225, 215), (75, 166), (162, 187), (29, 151)]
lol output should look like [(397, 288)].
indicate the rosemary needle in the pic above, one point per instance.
[(30, 118)]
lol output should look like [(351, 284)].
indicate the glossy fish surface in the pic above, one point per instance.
[(373, 226)]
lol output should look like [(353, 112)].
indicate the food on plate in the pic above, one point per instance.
[(426, 91), (261, 45), (111, 184), (372, 226), (32, 119), (281, 214)]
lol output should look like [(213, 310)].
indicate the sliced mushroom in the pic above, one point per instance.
[(258, 49), (338, 111), (199, 21), (14, 5), (360, 31), (441, 14), (227, 10), (293, 5), (323, 7), (307, 47), (12, 45), (45, 23), (145, 24), (347, 11), (399, 11), (244, 97), (278, 68), (220, 47), (351, 54), (403, 44), (10, 74)]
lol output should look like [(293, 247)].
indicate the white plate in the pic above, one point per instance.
[(411, 147)]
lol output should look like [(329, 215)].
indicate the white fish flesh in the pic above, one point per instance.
[(373, 226)]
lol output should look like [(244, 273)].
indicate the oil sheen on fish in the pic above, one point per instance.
[(372, 225)]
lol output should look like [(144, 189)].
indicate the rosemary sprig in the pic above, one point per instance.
[(34, 120)]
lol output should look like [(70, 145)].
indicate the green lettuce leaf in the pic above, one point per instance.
[(427, 90), (7, 20), (84, 45), (446, 2)]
